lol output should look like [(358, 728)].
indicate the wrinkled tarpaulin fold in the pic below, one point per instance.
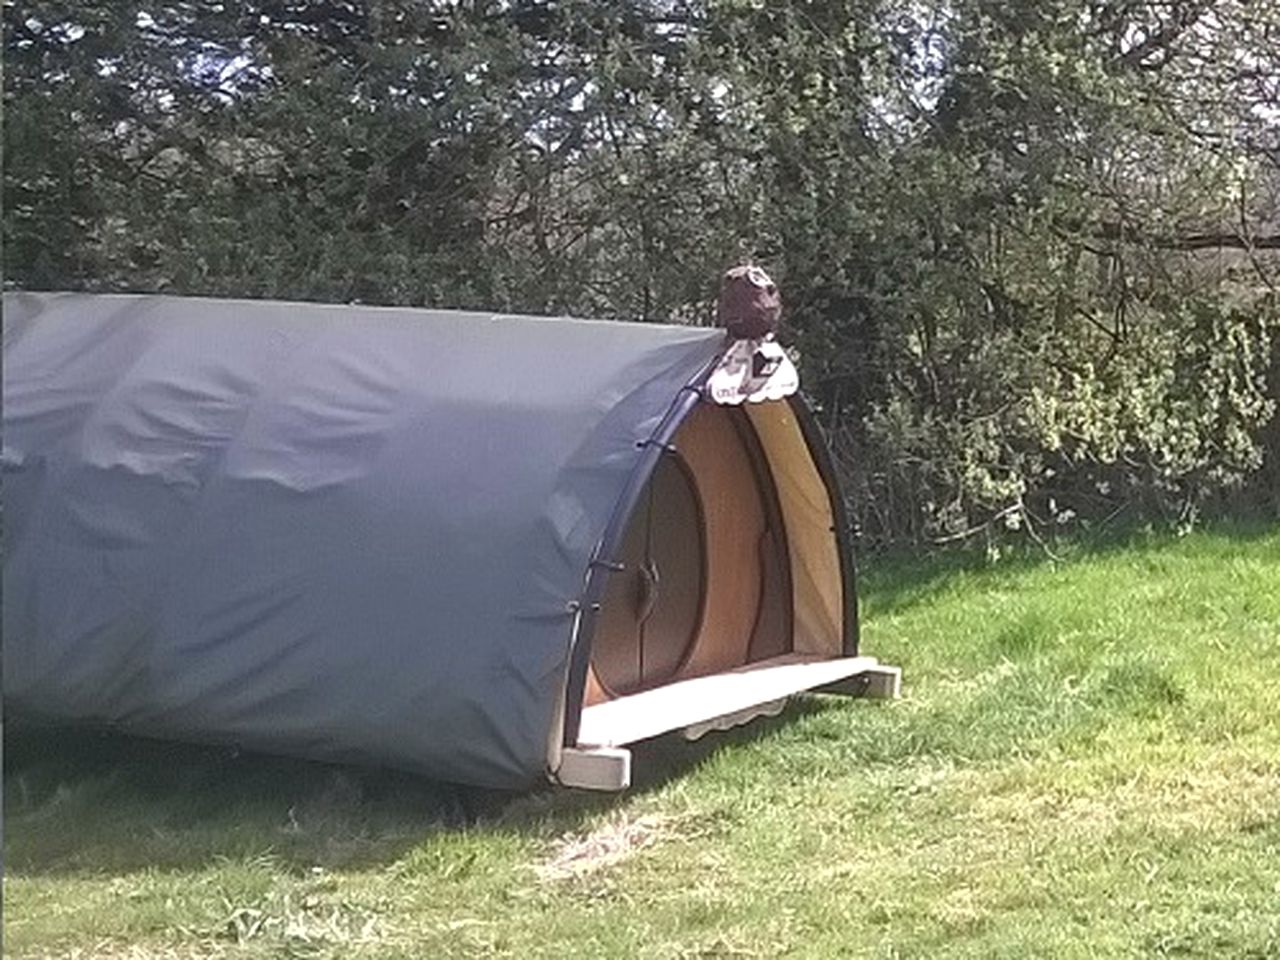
[(344, 532)]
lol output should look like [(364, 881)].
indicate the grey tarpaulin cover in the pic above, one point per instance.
[(343, 532)]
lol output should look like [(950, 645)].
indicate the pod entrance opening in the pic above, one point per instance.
[(653, 607), (705, 579)]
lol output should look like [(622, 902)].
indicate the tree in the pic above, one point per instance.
[(1028, 250)]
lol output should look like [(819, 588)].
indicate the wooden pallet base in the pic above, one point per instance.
[(881, 682), (594, 768), (716, 702)]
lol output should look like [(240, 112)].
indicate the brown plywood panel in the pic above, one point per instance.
[(595, 692), (817, 584), (735, 521), (615, 649), (653, 605), (707, 584), (676, 562), (772, 634)]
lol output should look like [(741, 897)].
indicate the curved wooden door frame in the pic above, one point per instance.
[(645, 508), (772, 575)]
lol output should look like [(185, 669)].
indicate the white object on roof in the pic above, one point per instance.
[(753, 371)]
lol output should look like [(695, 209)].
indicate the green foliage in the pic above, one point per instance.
[(1028, 250)]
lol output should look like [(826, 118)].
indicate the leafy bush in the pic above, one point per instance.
[(1028, 251)]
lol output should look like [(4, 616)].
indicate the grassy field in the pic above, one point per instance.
[(1086, 764)]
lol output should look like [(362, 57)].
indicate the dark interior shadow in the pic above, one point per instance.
[(78, 801)]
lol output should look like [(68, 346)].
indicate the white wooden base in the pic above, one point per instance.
[(594, 768), (714, 702), (881, 682), (725, 698)]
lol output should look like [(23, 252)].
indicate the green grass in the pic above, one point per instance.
[(1086, 764)]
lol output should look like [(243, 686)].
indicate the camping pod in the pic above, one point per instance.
[(483, 548)]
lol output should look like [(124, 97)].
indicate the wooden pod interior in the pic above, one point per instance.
[(719, 566)]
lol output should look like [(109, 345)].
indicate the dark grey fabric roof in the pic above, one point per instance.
[(344, 532)]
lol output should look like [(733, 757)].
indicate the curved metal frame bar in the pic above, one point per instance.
[(602, 563), (690, 645)]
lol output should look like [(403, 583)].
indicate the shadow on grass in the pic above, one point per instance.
[(82, 801)]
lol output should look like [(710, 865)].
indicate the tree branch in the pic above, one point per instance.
[(1189, 241)]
